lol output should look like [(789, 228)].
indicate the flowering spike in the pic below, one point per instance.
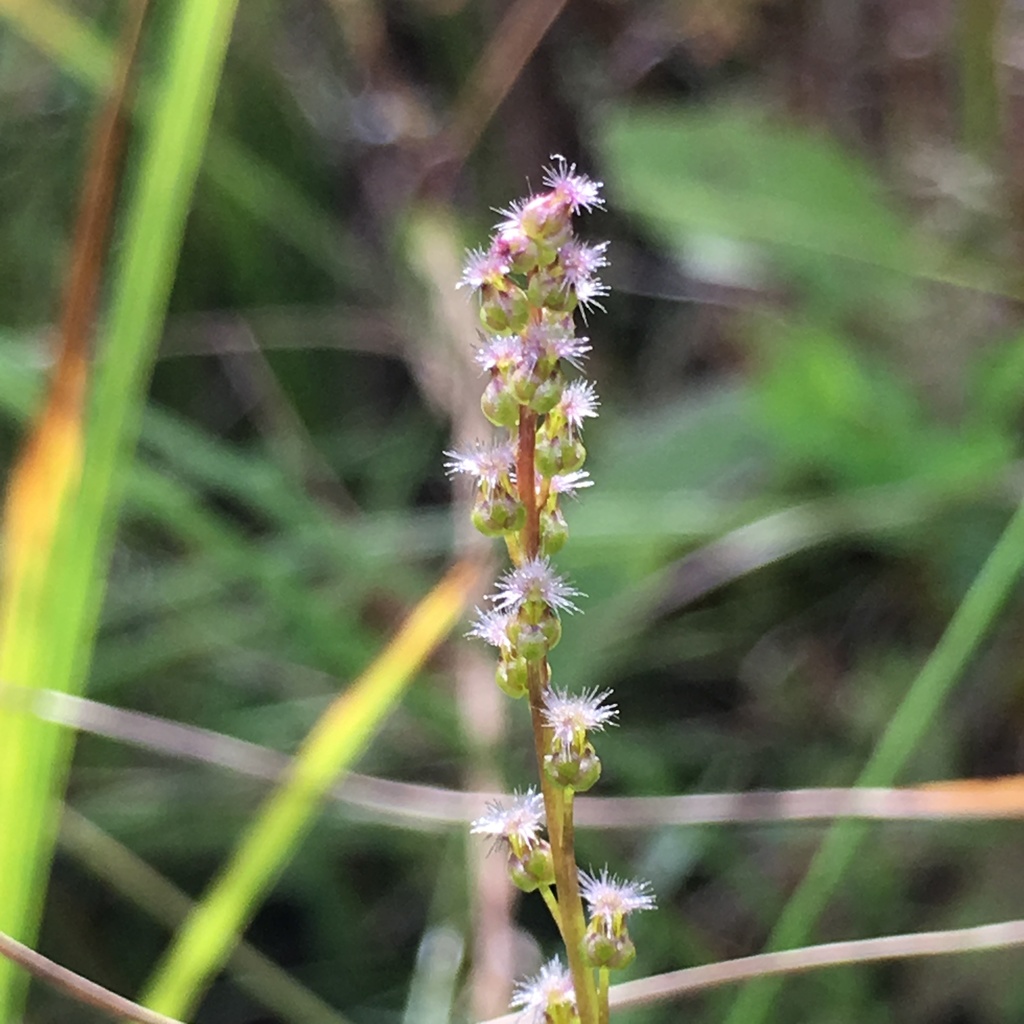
[(530, 281)]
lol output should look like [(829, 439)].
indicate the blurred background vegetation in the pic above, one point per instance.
[(811, 370)]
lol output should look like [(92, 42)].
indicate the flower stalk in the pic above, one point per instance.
[(530, 281)]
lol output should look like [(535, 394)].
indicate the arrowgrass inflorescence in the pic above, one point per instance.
[(530, 281)]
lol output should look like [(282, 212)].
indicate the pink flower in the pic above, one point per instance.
[(550, 987), (500, 352), (610, 900), (487, 463), (581, 261), (579, 402), (570, 483), (534, 580), (483, 268), (577, 191), (519, 825), (492, 628), (572, 715)]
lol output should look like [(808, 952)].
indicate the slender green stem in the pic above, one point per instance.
[(552, 903), (964, 634), (602, 994)]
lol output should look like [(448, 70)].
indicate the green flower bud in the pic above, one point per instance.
[(574, 772), (532, 642), (548, 394), (512, 677), (535, 868), (546, 221), (545, 287), (559, 455), (505, 310), (557, 232), (560, 299), (554, 532), (529, 255), (494, 318), (611, 951), (549, 289), (551, 626), (498, 404), (498, 514), (524, 384)]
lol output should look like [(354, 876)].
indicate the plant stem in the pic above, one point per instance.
[(526, 477), (552, 904), (602, 994), (557, 802), (558, 811)]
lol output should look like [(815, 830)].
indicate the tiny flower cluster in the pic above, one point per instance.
[(546, 998), (530, 281), (518, 827), (572, 760), (610, 901)]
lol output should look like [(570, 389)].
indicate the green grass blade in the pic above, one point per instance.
[(915, 715), (55, 640), (107, 859), (212, 931)]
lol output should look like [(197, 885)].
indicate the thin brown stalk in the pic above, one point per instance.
[(80, 989), (507, 51), (411, 805), (129, 875), (525, 456), (676, 984), (557, 806)]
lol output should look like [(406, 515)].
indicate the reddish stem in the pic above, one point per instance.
[(557, 806), (525, 474)]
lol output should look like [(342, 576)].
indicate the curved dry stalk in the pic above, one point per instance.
[(131, 877), (675, 984), (414, 806), (80, 989)]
